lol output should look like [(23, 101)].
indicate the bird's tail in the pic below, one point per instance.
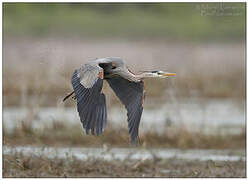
[(66, 97)]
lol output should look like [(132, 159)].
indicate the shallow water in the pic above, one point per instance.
[(128, 153), (208, 116)]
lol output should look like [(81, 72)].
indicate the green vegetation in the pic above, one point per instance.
[(178, 21)]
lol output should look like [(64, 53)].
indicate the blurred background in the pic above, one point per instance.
[(203, 107), (43, 43)]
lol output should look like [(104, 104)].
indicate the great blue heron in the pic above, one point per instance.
[(87, 83)]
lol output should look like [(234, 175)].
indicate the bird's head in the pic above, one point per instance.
[(158, 74)]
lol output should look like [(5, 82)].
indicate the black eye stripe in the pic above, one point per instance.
[(154, 71)]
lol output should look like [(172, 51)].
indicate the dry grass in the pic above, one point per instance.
[(193, 84), (18, 165), (42, 68), (61, 135)]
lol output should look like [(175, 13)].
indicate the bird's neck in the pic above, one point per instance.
[(138, 77), (144, 75)]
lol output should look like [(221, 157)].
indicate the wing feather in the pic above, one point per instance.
[(98, 110), (91, 104), (131, 95)]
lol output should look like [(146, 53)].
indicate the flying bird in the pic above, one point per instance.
[(87, 83)]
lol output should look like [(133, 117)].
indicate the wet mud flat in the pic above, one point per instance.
[(88, 162)]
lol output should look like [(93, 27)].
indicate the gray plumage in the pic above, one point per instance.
[(91, 105), (87, 83), (131, 95)]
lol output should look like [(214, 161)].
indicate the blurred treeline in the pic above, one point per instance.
[(177, 21)]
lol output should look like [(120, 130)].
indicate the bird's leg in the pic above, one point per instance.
[(66, 97)]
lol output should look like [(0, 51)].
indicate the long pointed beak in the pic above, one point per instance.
[(168, 74)]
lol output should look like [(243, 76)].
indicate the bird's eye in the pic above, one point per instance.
[(113, 67)]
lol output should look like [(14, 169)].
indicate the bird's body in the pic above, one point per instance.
[(87, 83)]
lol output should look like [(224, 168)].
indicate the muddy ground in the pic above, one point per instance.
[(18, 165)]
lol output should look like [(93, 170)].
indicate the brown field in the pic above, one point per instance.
[(18, 165), (203, 69), (71, 136), (37, 73)]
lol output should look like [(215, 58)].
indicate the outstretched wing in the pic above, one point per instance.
[(87, 83), (131, 95)]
